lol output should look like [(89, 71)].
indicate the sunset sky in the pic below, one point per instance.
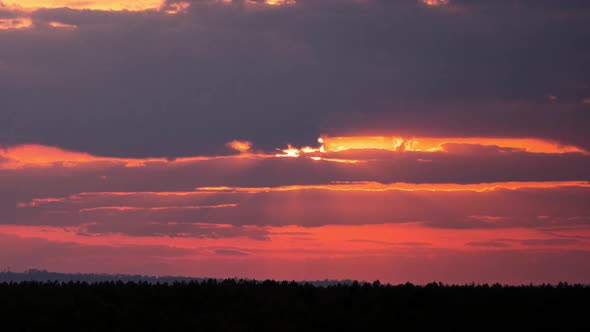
[(399, 140)]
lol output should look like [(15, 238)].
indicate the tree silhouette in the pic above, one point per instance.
[(249, 305)]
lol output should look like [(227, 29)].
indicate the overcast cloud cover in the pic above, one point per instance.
[(150, 83)]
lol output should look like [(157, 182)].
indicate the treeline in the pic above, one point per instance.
[(245, 305), (46, 276)]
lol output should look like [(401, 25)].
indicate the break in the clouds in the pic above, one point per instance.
[(297, 139)]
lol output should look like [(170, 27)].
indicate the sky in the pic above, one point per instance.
[(399, 140)]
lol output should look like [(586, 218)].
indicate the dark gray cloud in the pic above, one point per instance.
[(550, 242), (394, 244), (503, 243), (230, 252), (491, 244), (153, 84), (137, 225)]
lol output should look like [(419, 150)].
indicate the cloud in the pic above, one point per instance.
[(230, 252), (462, 186), (178, 85), (408, 244), (245, 212), (13, 18), (549, 242), (491, 244), (109, 5), (240, 146), (450, 164), (174, 229), (435, 2)]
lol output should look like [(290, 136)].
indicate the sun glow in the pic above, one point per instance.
[(437, 144), (293, 152), (336, 144), (289, 152), (327, 150)]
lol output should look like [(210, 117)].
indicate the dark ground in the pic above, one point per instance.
[(234, 305)]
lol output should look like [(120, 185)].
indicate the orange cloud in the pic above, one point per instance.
[(15, 23), (435, 3), (39, 154), (344, 149), (120, 5), (178, 7), (25, 8), (158, 208), (435, 144), (376, 187), (279, 2), (265, 2), (46, 156), (130, 5), (241, 146), (62, 25)]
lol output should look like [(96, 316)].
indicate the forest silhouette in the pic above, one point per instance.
[(248, 305)]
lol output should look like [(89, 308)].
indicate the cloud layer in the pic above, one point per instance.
[(183, 84), (181, 137)]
